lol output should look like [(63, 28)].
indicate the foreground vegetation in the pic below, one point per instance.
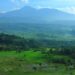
[(33, 63), (19, 56)]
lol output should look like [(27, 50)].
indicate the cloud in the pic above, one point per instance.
[(1, 11), (12, 0), (19, 1), (68, 9), (25, 1)]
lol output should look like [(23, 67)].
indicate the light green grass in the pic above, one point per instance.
[(12, 63)]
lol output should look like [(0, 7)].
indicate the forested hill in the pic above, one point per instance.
[(12, 42)]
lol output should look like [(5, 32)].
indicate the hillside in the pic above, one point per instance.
[(42, 23), (12, 42), (41, 31)]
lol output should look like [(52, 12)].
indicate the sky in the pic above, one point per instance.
[(63, 5)]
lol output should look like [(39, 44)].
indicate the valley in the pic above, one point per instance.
[(37, 42)]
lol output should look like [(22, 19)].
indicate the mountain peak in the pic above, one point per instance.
[(27, 8), (30, 14)]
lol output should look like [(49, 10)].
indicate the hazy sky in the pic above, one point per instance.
[(64, 5)]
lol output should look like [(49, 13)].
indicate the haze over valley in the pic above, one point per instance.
[(44, 23)]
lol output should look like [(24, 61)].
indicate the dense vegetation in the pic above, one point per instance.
[(22, 56), (45, 46), (12, 42)]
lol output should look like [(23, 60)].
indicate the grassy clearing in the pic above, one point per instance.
[(12, 63)]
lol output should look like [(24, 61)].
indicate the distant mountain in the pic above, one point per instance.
[(1, 14), (39, 23), (29, 14)]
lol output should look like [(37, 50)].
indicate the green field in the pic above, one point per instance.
[(13, 63)]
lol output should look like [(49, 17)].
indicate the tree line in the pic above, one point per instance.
[(13, 42)]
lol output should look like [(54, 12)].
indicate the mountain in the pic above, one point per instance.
[(33, 15), (0, 13), (42, 23)]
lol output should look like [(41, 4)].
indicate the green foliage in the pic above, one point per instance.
[(12, 42), (12, 63)]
